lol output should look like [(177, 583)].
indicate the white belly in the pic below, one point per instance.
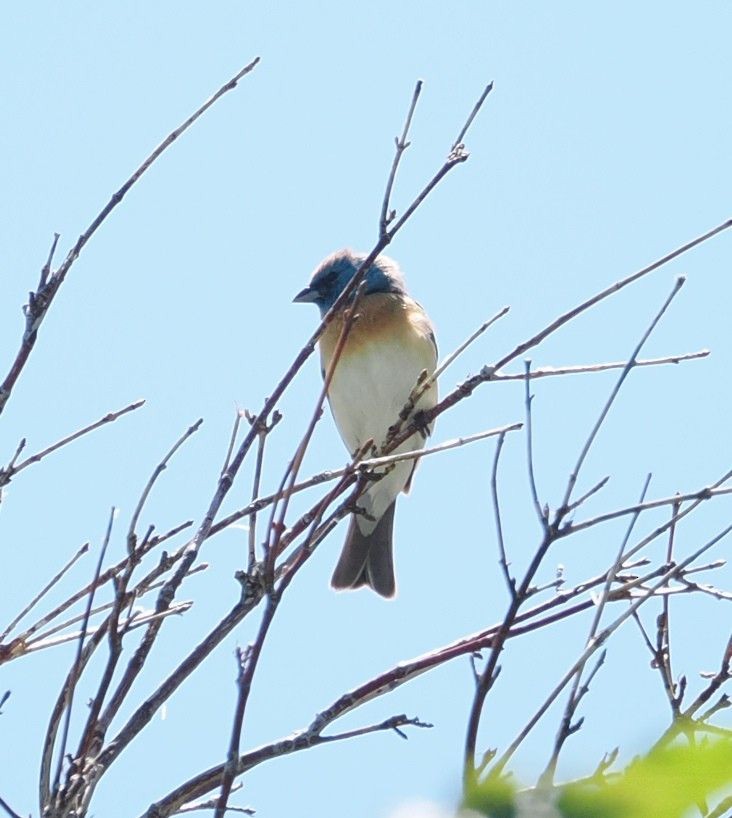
[(368, 391)]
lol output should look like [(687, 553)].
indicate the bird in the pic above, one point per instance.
[(389, 346)]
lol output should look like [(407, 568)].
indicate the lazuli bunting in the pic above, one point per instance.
[(390, 343)]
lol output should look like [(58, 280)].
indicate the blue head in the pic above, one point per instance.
[(333, 275)]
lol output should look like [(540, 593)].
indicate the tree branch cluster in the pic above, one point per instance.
[(101, 616)]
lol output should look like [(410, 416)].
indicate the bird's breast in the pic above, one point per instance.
[(388, 346)]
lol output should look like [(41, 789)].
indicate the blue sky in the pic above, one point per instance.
[(604, 145)]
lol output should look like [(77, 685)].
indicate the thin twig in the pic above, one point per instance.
[(600, 640), (491, 670), (138, 620), (503, 558), (589, 493), (206, 781), (387, 215), (387, 460), (232, 440), (106, 576), (46, 269), (211, 804), (528, 399), (158, 470), (457, 155), (47, 796), (40, 301), (722, 676), (422, 386), (394, 723), (577, 691), (685, 721), (384, 683), (256, 482), (145, 586), (74, 676), (11, 812), (319, 529), (478, 105), (706, 493), (487, 374), (247, 663), (678, 284), (663, 640), (10, 468), (353, 467), (453, 356), (39, 596), (229, 772), (553, 371), (550, 530), (8, 473)]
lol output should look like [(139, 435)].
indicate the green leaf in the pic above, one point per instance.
[(663, 784), (666, 782), (493, 797)]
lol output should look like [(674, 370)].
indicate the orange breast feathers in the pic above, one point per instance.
[(388, 346)]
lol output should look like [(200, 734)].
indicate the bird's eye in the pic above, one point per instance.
[(328, 281)]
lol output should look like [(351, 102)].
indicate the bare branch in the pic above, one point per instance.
[(136, 620), (159, 469), (600, 639), (247, 662), (376, 462), (7, 474), (589, 493), (229, 772), (553, 371), (678, 284), (211, 804), (455, 354), (528, 398), (232, 440), (11, 812), (106, 576), (252, 559), (425, 381), (503, 558), (388, 215), (46, 269), (457, 156), (253, 590), (577, 690), (39, 596), (50, 282), (476, 108), (352, 468), (686, 721), (699, 496), (468, 386), (404, 672), (203, 783), (74, 676), (663, 637), (722, 676)]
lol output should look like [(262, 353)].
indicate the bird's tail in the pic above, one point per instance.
[(367, 559)]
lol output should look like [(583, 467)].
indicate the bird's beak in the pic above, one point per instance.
[(306, 296)]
